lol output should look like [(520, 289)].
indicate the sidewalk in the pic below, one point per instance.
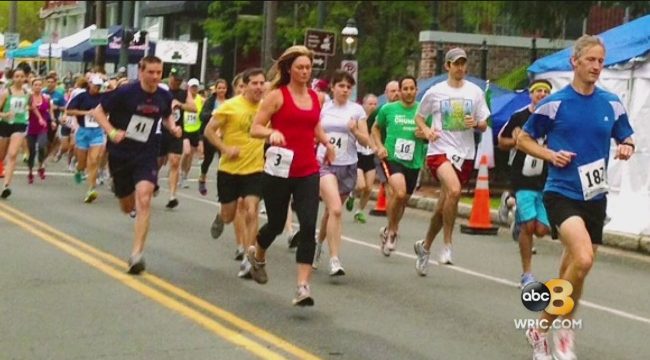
[(426, 197)]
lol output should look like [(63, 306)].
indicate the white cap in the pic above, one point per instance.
[(193, 82), (96, 80)]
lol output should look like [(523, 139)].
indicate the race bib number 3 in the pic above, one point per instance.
[(593, 178), (139, 128), (278, 161), (404, 149), (90, 122)]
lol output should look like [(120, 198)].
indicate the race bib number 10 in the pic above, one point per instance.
[(278, 161), (593, 177), (404, 149)]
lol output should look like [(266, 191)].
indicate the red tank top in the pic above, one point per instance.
[(297, 126)]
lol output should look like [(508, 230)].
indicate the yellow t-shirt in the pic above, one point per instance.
[(237, 115)]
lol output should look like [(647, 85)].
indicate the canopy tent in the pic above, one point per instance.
[(85, 51), (29, 51), (627, 74), (55, 50), (505, 105)]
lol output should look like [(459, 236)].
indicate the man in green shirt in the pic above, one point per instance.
[(402, 155)]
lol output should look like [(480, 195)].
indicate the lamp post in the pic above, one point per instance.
[(349, 38)]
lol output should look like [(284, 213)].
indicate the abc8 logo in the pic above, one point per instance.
[(554, 297)]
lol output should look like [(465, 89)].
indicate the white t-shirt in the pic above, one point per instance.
[(448, 107), (334, 119)]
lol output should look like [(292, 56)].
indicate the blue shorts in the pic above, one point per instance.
[(88, 137), (530, 207)]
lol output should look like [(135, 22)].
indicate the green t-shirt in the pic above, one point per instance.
[(19, 104), (399, 123)]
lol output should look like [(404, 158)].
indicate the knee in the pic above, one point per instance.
[(541, 230), (453, 193), (144, 200), (529, 228), (583, 264), (400, 194), (335, 211)]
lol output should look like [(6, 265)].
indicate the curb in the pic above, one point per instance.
[(629, 242)]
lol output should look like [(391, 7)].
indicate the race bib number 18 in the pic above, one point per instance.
[(278, 161), (139, 128), (593, 178)]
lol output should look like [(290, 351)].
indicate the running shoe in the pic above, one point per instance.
[(526, 278), (258, 273), (422, 260), (515, 230), (303, 296), (91, 195), (503, 207), (6, 192), (317, 252), (132, 214), (136, 264), (564, 345), (360, 217), (445, 255), (349, 203), (217, 227), (537, 340), (41, 173), (172, 203), (244, 269), (239, 253), (392, 242), (203, 190), (383, 238), (335, 267), (78, 177), (30, 178)]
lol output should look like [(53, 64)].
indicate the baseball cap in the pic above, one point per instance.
[(193, 82), (96, 80), (454, 54), (176, 72)]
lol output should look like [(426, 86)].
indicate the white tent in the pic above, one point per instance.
[(65, 43), (627, 74)]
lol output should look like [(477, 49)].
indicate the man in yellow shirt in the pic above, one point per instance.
[(242, 158), (191, 131)]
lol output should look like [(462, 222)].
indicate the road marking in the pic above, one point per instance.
[(95, 260)]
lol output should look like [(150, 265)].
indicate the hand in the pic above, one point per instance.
[(10, 115), (176, 104), (430, 134), (277, 139), (232, 153), (382, 153), (562, 158), (470, 122), (42, 122), (119, 136), (330, 154), (176, 131), (53, 125), (623, 151), (352, 125)]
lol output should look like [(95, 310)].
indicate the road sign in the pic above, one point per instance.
[(178, 52), (12, 40), (99, 37), (321, 41), (320, 62)]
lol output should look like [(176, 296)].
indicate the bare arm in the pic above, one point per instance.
[(380, 150), (101, 117), (260, 129), (424, 131), (360, 131), (528, 145), (507, 143)]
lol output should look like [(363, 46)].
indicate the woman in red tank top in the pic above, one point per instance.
[(291, 168)]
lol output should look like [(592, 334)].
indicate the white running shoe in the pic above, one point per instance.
[(564, 345), (537, 340), (335, 267), (445, 255), (245, 269), (422, 260), (392, 242), (317, 252), (383, 238), (503, 207)]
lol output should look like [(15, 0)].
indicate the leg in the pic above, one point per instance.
[(208, 155), (396, 202), (174, 162), (277, 193), (251, 219), (15, 143), (305, 195), (451, 186), (143, 195), (240, 224), (329, 192), (94, 154), (526, 245), (365, 192), (435, 224), (31, 144)]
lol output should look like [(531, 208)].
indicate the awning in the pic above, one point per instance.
[(30, 51), (65, 43), (85, 51)]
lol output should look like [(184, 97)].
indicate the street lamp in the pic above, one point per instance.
[(349, 38)]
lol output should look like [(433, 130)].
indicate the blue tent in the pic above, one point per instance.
[(85, 51), (505, 105), (622, 43), (29, 52), (425, 84)]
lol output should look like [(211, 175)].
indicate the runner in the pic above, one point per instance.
[(242, 160), (40, 122), (345, 123), (13, 123), (90, 138), (136, 112), (527, 178), (459, 109), (402, 156), (218, 97), (576, 187), (58, 106), (69, 124), (191, 131), (291, 168)]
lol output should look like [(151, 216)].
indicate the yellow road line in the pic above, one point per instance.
[(177, 291)]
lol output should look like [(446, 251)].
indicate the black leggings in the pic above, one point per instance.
[(277, 193), (33, 141), (208, 155)]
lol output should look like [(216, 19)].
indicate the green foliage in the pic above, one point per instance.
[(29, 25), (514, 80), (547, 18)]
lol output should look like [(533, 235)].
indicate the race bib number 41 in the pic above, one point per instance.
[(139, 128), (593, 177), (278, 161)]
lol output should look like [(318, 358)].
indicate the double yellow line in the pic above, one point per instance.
[(264, 344)]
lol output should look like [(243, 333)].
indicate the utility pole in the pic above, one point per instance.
[(270, 14), (100, 51), (321, 14), (13, 16), (127, 22)]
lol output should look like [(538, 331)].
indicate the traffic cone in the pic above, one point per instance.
[(480, 222), (380, 205)]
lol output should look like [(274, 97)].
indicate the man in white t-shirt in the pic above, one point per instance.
[(458, 109)]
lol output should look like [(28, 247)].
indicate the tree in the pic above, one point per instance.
[(28, 25), (547, 18)]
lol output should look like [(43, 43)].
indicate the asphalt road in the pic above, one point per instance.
[(64, 293)]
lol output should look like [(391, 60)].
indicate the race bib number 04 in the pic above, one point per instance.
[(278, 161), (593, 177), (404, 149), (139, 128), (340, 142)]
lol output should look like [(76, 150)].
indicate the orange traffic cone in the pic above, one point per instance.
[(479, 221), (380, 205)]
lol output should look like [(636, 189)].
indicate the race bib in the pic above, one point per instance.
[(340, 142), (18, 105), (177, 115), (190, 119), (456, 159), (90, 121), (404, 149), (278, 161), (532, 166), (593, 177), (139, 128)]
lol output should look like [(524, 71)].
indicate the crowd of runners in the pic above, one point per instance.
[(280, 142)]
